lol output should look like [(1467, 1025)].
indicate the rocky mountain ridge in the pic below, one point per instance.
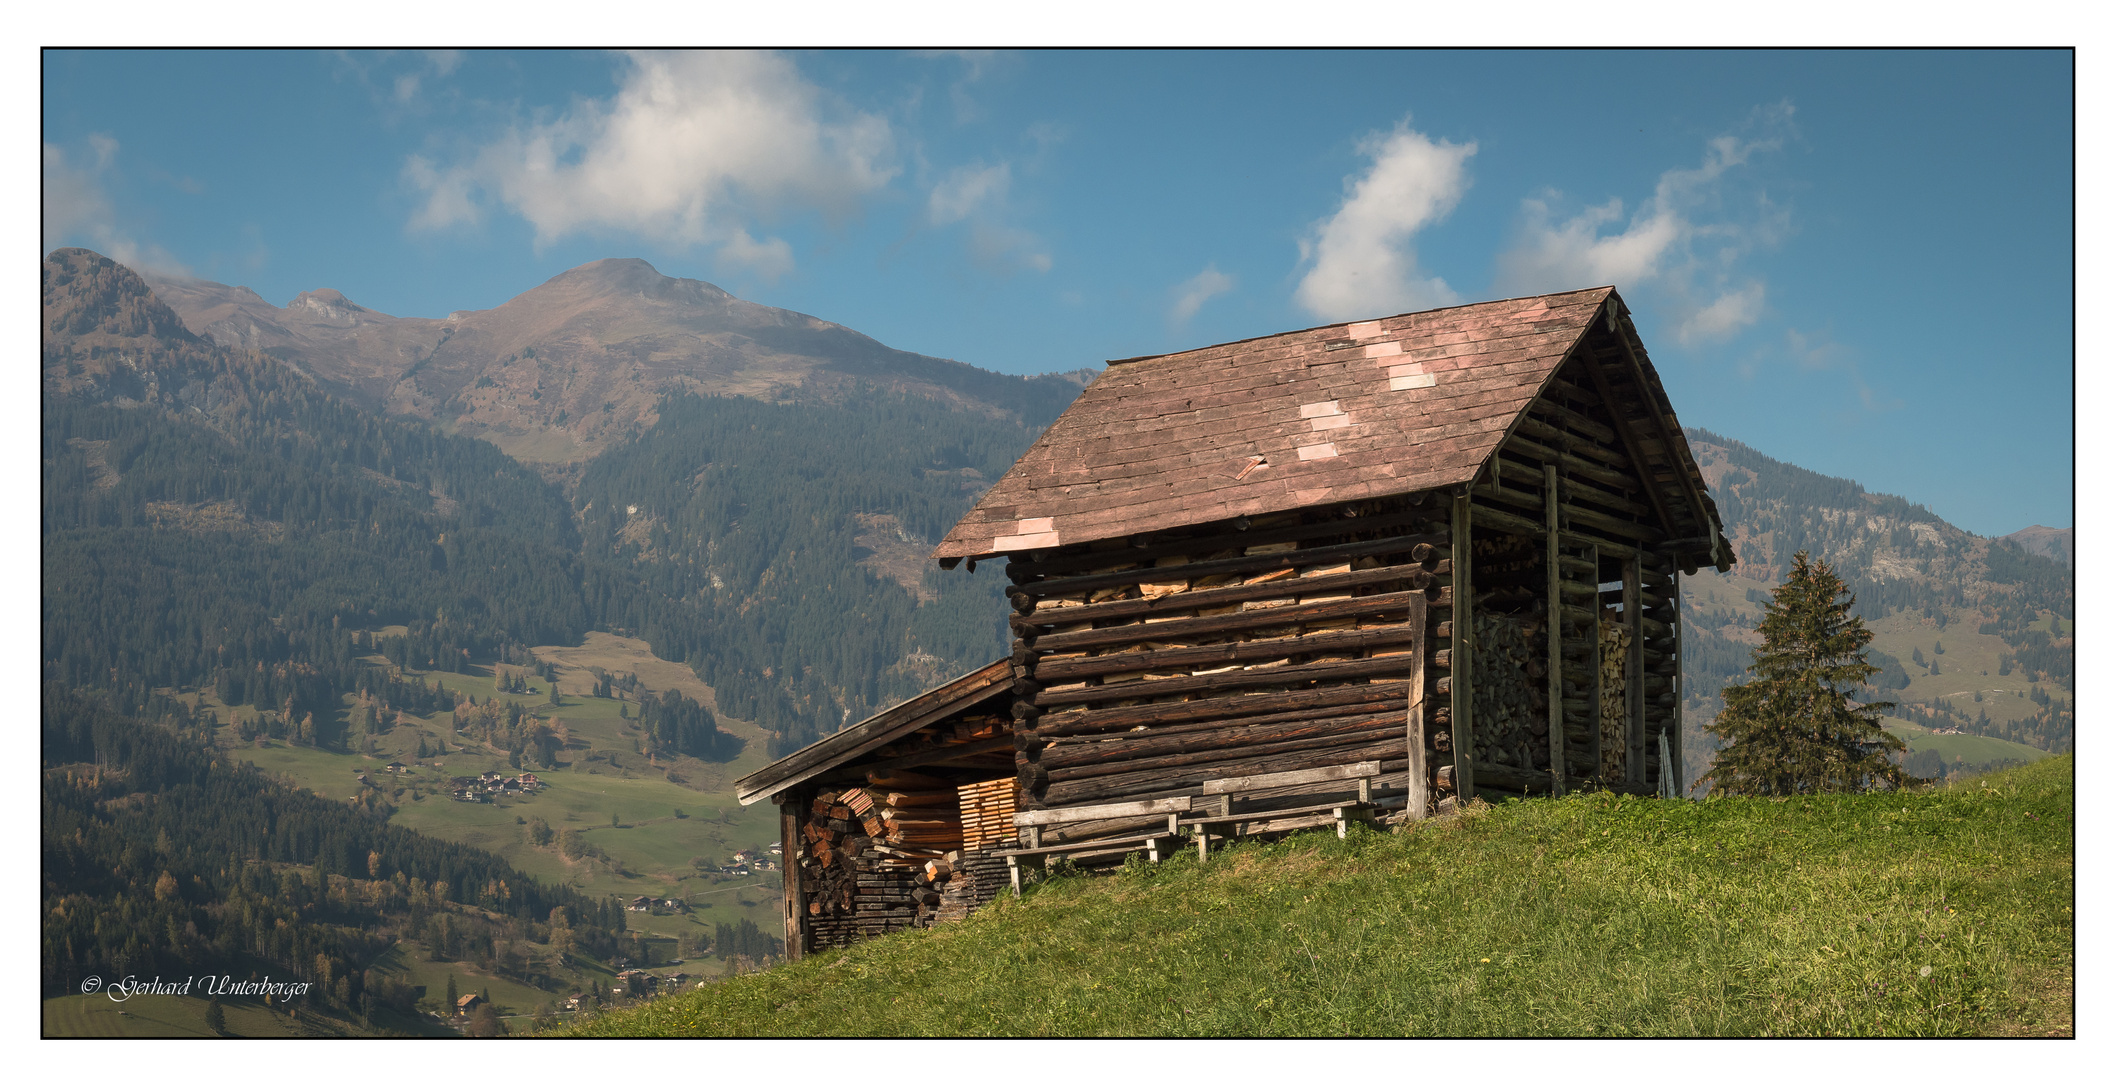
[(569, 368)]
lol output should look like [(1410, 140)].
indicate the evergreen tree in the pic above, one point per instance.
[(216, 1020), (1793, 729)]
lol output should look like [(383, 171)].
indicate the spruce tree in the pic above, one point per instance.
[(1794, 729)]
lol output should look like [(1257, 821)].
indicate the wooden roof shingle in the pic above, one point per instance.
[(1347, 411)]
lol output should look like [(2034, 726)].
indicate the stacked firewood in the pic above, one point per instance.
[(1507, 670), (1611, 641), (988, 811)]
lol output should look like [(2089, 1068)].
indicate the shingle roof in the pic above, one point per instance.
[(949, 700), (1348, 411)]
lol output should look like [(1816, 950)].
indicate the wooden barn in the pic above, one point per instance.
[(1367, 568)]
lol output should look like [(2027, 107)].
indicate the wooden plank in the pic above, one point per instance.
[(1676, 713), (1237, 784), (1200, 656), (1635, 678), (1225, 537), (1214, 625), (1595, 678), (1228, 751), (1415, 575), (1103, 811), (1417, 795), (1269, 730), (1555, 719), (1248, 564), (1122, 717), (791, 872), (1314, 671), (1465, 639), (1176, 732), (1494, 518)]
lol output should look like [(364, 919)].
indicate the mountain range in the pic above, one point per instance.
[(570, 368), (734, 521)]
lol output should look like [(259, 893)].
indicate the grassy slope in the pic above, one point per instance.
[(1583, 916)]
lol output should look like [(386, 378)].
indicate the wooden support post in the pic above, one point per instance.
[(1595, 645), (1676, 682), (1556, 715), (1635, 678), (1462, 642), (1416, 794), (790, 804)]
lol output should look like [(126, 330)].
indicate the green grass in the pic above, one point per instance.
[(1928, 913), (1967, 749), (95, 1016)]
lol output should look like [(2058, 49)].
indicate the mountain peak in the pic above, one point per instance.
[(87, 294), (631, 276)]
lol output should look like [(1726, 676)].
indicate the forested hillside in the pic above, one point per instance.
[(781, 548), (162, 858), (1919, 581), (212, 516)]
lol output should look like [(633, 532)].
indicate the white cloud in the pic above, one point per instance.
[(691, 147), (978, 194), (1680, 242), (770, 259), (1362, 261), (1190, 295), (965, 190), (77, 209)]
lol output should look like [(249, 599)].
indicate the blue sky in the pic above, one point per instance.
[(1860, 262)]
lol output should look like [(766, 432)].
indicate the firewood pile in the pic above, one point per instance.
[(1611, 641), (896, 853), (1507, 673)]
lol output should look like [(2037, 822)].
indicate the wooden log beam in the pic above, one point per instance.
[(1314, 671), (1413, 576), (1055, 669), (1495, 518), (1577, 491), (1561, 415), (1217, 625), (1360, 733), (1191, 780), (1161, 713), (1249, 564), (1672, 438), (1041, 741), (1150, 547), (1574, 466), (1262, 731), (1633, 449), (1573, 444)]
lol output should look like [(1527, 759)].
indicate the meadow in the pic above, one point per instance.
[(1939, 912)]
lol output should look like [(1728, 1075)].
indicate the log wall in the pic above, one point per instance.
[(1255, 646)]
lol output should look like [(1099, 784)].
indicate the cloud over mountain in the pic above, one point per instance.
[(692, 150)]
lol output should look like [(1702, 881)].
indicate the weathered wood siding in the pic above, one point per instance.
[(1234, 649)]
